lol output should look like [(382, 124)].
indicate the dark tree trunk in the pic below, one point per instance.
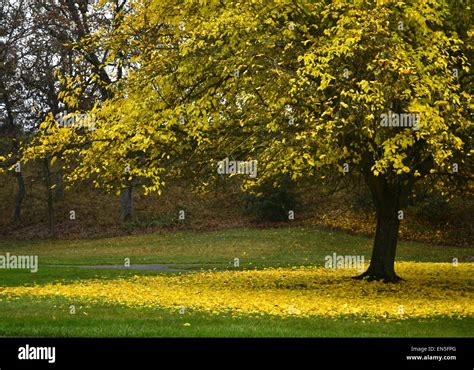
[(382, 263), (20, 196), (49, 197), (59, 190), (388, 200), (126, 203)]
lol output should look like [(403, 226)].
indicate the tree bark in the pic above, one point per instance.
[(59, 190), (49, 197), (382, 263), (126, 203), (388, 199), (20, 196)]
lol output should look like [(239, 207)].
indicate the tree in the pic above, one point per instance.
[(91, 71), (44, 40), (33, 47), (13, 95), (308, 88)]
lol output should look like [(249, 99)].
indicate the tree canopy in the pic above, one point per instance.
[(379, 89)]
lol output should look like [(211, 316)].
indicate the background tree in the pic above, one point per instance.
[(13, 93), (44, 40)]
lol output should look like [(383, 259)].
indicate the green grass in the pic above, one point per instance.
[(271, 247), (256, 248), (51, 317)]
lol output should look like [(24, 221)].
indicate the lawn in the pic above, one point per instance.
[(290, 263)]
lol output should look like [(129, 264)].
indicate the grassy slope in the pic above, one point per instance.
[(255, 249)]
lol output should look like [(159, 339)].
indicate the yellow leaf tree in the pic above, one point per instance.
[(369, 87)]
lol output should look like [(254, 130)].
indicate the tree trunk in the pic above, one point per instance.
[(20, 196), (49, 197), (382, 263), (126, 203), (388, 201), (59, 190)]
